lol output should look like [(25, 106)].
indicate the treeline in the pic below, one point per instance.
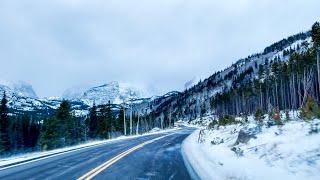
[(284, 85), (18, 133), (254, 83), (26, 133), (102, 123), (278, 46), (65, 129)]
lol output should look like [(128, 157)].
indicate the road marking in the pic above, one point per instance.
[(91, 174), (47, 156), (51, 155)]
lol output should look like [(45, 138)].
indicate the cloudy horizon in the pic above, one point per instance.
[(157, 45)]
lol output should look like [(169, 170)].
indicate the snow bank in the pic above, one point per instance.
[(278, 152)]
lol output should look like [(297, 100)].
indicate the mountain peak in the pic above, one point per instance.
[(113, 91), (19, 88)]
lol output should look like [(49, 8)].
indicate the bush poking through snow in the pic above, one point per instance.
[(277, 116), (287, 115), (245, 118), (226, 120), (217, 140), (310, 110), (314, 128), (258, 115), (237, 151), (212, 124)]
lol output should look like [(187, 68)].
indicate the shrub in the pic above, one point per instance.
[(310, 110), (245, 118), (314, 128), (217, 141), (226, 120), (277, 116), (212, 124), (259, 114), (287, 115), (238, 151)]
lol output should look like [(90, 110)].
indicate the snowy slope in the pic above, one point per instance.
[(114, 92), (289, 151), (20, 88), (191, 82), (197, 99), (22, 97)]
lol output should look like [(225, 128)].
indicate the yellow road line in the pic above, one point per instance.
[(91, 174)]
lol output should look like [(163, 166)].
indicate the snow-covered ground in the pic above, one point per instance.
[(36, 155), (289, 151)]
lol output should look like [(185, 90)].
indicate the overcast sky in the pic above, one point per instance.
[(58, 44)]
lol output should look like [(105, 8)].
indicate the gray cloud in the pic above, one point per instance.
[(161, 44)]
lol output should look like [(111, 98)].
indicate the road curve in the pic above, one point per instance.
[(155, 156)]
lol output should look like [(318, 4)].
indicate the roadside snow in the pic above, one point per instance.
[(278, 152), (30, 156)]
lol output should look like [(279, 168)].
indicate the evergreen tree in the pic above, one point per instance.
[(16, 134), (106, 122), (61, 130), (66, 126), (4, 126), (34, 133), (110, 120), (102, 124), (78, 130), (49, 135), (26, 131), (119, 123), (93, 122), (315, 33)]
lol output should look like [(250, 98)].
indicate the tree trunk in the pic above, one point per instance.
[(261, 105), (170, 117), (318, 66), (137, 129), (131, 121), (124, 122)]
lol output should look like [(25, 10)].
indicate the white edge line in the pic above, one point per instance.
[(62, 153)]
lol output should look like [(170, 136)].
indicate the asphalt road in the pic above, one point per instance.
[(155, 156)]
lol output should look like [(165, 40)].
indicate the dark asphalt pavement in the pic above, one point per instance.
[(160, 159)]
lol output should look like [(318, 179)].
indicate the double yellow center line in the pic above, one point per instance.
[(91, 174)]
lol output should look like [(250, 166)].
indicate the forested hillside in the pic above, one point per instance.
[(283, 77)]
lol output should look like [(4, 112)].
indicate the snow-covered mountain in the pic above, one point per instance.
[(22, 97), (114, 92), (191, 82), (188, 104), (19, 88), (198, 98)]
